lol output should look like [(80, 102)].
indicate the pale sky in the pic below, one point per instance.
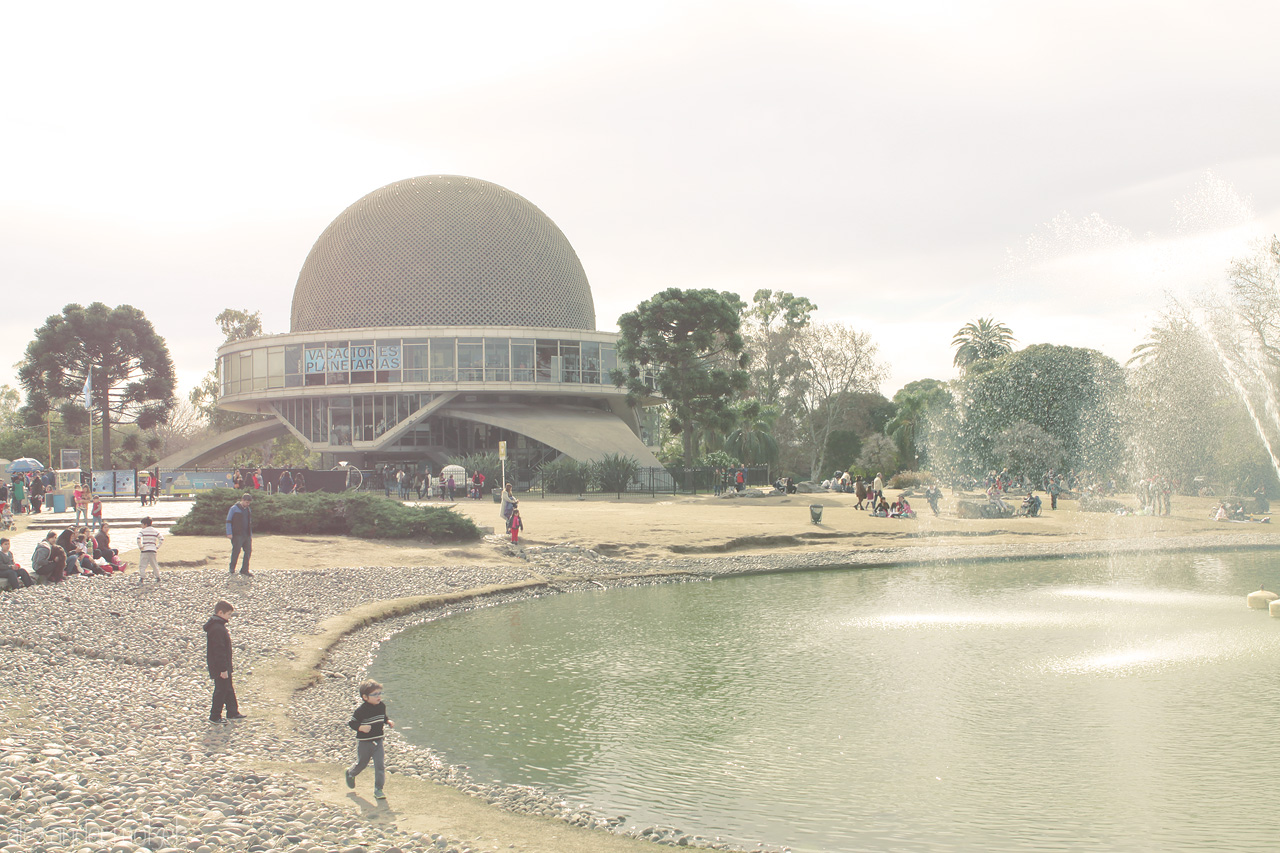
[(908, 166)]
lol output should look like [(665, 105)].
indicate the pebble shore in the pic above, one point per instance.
[(106, 744)]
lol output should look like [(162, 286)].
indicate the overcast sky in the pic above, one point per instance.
[(908, 166)]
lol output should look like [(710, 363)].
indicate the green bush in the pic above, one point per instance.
[(321, 513), (615, 472), (486, 463), (910, 479), (565, 476)]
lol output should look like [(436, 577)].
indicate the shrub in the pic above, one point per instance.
[(565, 476), (486, 463), (322, 513), (911, 479), (615, 472)]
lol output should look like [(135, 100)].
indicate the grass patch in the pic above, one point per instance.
[(324, 514)]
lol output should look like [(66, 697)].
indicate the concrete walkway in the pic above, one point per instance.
[(124, 516)]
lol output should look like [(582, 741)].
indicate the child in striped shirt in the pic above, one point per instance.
[(149, 540)]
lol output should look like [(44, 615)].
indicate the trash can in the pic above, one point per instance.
[(815, 513), (59, 502), (497, 496)]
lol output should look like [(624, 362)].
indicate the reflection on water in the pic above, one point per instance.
[(1117, 704)]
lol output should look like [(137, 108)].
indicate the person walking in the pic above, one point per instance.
[(218, 659), (367, 722), (240, 532), (149, 540)]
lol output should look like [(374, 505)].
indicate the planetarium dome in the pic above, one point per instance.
[(442, 250)]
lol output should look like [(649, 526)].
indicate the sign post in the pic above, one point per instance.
[(502, 454)]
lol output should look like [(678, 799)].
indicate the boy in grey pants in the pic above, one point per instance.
[(367, 722)]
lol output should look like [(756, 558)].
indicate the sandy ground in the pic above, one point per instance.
[(664, 527)]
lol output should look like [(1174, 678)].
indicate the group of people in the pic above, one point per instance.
[(428, 486), (25, 492), (288, 483), (900, 508), (74, 552), (511, 514), (730, 479)]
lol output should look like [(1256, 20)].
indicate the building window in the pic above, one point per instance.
[(571, 370), (548, 354), (522, 360), (443, 360), (497, 360), (470, 360), (591, 362), (362, 359)]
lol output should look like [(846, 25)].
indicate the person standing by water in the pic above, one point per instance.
[(240, 532)]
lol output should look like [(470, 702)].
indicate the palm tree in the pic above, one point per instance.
[(752, 440), (981, 340)]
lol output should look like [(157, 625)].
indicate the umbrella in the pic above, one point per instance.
[(23, 465)]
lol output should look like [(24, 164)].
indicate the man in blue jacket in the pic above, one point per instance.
[(240, 532)]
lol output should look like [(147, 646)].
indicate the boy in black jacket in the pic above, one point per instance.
[(218, 656), (367, 722)]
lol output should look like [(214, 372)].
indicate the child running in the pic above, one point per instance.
[(367, 722)]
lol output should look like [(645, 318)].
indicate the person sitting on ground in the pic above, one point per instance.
[(10, 570), (1220, 514), (83, 554), (44, 566), (104, 551), (904, 508), (1031, 505), (881, 510)]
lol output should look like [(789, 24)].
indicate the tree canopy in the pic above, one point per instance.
[(133, 377), (1075, 395), (691, 342), (980, 341), (772, 323)]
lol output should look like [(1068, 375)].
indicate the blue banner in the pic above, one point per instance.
[(189, 482), (114, 483)]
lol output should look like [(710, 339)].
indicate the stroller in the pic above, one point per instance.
[(6, 517)]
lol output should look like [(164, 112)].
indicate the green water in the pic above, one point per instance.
[(1127, 704)]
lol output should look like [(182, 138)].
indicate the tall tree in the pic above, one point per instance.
[(133, 379), (773, 320), (838, 362), (691, 342), (981, 341), (236, 325), (910, 423)]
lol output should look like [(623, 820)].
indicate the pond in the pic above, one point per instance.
[(1116, 704)]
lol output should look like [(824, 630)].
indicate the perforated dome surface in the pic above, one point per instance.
[(442, 250)]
